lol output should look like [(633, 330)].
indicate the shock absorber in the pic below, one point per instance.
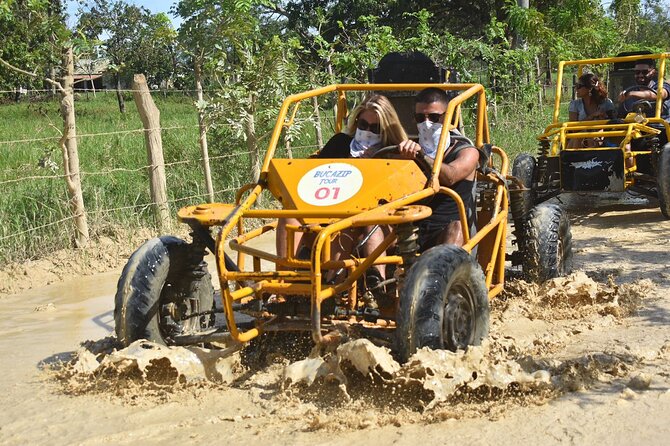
[(407, 236), (541, 167), (195, 258), (194, 269)]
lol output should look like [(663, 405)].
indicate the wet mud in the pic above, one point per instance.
[(580, 360), (358, 374)]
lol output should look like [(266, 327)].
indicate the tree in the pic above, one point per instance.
[(156, 54), (627, 16), (254, 71), (207, 34), (137, 41), (28, 32), (252, 85), (649, 22), (41, 11)]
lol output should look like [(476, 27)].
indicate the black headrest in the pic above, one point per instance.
[(409, 67)]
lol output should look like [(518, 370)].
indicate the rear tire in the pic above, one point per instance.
[(546, 250), (521, 203), (663, 180), (159, 281), (444, 303), (523, 168)]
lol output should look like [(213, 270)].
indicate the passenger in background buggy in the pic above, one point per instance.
[(591, 104)]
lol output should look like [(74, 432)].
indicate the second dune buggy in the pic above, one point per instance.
[(629, 152)]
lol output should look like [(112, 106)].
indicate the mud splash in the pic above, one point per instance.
[(573, 297), (146, 367), (362, 378), (437, 374)]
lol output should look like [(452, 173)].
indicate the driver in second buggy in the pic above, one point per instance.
[(645, 88)]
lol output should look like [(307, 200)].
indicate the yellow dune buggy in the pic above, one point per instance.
[(630, 152), (437, 299)]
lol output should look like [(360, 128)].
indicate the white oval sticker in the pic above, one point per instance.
[(330, 184)]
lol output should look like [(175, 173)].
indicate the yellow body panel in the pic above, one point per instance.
[(293, 182)]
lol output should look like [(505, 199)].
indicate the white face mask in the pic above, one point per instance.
[(429, 136), (364, 140)]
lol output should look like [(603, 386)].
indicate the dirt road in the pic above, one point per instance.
[(624, 399)]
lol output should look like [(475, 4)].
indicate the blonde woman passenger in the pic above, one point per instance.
[(373, 124)]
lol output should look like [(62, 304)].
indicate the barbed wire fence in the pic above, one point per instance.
[(35, 209)]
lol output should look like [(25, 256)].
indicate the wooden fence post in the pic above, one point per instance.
[(68, 145), (150, 116)]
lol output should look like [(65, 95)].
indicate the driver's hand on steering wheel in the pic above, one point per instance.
[(408, 149)]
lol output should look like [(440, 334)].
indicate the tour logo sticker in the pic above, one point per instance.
[(330, 184)]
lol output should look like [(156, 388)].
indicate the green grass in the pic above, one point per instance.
[(112, 164), (112, 159)]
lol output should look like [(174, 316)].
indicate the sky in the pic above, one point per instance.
[(155, 6)]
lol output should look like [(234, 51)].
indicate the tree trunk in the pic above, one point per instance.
[(547, 80), (52, 75), (92, 85), (518, 41), (70, 153), (252, 143), (203, 134), (287, 145), (494, 101), (538, 77), (150, 116), (119, 95), (317, 124)]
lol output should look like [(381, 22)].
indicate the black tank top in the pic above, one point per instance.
[(442, 205)]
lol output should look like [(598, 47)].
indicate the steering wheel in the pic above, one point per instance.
[(420, 159), (634, 104)]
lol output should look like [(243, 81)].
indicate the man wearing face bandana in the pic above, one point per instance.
[(646, 88), (457, 171)]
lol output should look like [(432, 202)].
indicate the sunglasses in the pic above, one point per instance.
[(362, 124), (433, 117), (578, 86), (642, 72)]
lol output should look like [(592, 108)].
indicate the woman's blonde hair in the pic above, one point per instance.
[(392, 132)]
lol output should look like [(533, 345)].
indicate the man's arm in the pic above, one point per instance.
[(649, 95), (462, 168)]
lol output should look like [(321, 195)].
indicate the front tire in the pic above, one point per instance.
[(546, 250), (444, 303), (663, 180), (163, 283)]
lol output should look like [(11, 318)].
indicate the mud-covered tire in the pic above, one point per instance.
[(160, 276), (663, 180), (443, 303), (521, 203), (546, 250)]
